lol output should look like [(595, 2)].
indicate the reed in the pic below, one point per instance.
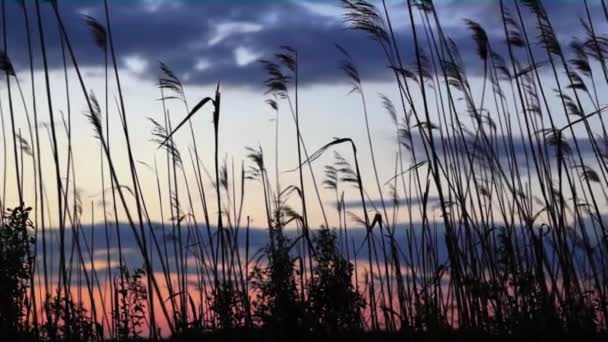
[(491, 223)]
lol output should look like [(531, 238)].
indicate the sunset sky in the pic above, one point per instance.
[(206, 42), (480, 180)]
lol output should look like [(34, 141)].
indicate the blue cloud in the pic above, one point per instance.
[(207, 41)]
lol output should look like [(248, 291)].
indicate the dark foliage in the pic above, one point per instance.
[(16, 241), (335, 307)]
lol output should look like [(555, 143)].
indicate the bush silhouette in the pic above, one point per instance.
[(277, 305), (228, 305), (132, 304), (73, 321), (335, 306), (16, 265)]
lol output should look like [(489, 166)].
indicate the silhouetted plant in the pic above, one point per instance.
[(466, 160), (73, 323), (16, 270), (132, 304), (335, 306), (227, 304), (277, 304)]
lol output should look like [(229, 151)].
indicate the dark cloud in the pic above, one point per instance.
[(503, 149), (376, 204), (93, 239), (179, 33)]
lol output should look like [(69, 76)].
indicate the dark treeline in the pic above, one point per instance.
[(492, 224)]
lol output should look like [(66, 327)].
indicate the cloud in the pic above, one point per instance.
[(377, 203), (243, 56), (93, 240), (136, 64), (211, 41), (503, 149)]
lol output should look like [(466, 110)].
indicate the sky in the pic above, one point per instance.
[(211, 41)]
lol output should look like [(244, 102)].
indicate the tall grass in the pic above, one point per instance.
[(492, 222)]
